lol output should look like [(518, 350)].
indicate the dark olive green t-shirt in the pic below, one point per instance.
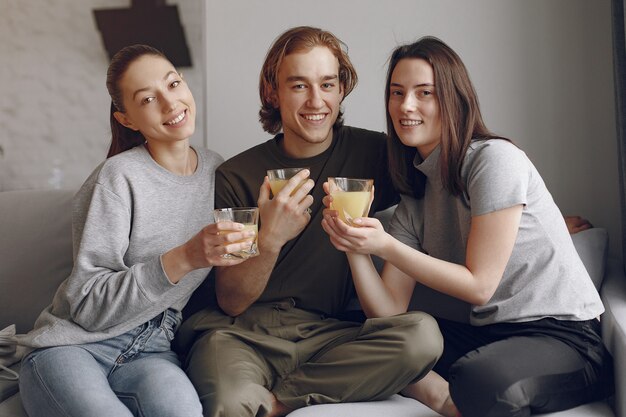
[(309, 269)]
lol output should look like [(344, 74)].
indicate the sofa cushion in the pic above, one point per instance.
[(398, 406), (592, 247), (35, 252)]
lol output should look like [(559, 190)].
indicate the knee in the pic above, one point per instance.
[(478, 390), (246, 401), (423, 342)]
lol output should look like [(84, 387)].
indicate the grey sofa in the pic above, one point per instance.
[(36, 255)]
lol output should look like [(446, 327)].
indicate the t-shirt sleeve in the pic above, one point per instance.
[(225, 194), (498, 175)]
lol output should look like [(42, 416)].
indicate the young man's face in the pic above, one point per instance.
[(309, 95)]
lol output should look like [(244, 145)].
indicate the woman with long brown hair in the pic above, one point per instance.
[(476, 222)]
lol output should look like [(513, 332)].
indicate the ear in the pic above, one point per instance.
[(124, 120), (342, 89)]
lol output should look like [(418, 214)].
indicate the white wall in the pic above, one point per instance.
[(54, 107), (542, 68)]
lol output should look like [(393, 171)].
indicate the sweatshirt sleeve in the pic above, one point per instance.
[(102, 290)]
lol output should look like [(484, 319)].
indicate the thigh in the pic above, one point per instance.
[(348, 368), (155, 385), (67, 381), (458, 339), (520, 375), (229, 369)]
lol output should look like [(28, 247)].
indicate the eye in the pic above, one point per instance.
[(397, 93), (328, 86), (174, 84), (147, 100), (298, 87), (425, 93)]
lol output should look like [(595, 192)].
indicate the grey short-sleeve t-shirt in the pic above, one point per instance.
[(544, 276)]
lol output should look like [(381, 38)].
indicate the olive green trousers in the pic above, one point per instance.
[(238, 364)]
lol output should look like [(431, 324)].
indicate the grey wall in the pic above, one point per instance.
[(542, 68), (54, 108)]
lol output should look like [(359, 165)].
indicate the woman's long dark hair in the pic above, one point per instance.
[(461, 120), (123, 138)]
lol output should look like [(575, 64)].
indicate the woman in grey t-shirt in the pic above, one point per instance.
[(477, 223)]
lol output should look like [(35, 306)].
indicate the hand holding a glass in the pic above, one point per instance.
[(347, 203), (207, 248), (285, 214), (249, 218)]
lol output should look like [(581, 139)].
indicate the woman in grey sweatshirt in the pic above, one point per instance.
[(144, 240)]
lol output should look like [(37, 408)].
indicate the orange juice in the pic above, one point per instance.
[(252, 250), (350, 204), (277, 184)]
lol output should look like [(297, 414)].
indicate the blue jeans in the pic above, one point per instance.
[(134, 374)]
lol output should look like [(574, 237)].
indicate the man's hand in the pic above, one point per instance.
[(284, 216)]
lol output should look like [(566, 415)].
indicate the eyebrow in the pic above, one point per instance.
[(416, 85), (148, 88), (302, 78)]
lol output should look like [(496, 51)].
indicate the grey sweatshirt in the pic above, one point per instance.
[(125, 216)]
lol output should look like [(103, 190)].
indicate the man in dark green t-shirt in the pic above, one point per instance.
[(279, 339)]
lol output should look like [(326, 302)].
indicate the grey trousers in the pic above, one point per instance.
[(302, 358)]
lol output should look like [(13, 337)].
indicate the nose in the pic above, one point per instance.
[(409, 103), (315, 98), (168, 103)]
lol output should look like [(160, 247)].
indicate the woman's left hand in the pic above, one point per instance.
[(367, 236)]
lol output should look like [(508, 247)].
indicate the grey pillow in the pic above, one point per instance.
[(592, 247), (35, 252)]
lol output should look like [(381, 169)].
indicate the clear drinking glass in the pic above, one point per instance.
[(249, 217), (279, 177), (351, 197)]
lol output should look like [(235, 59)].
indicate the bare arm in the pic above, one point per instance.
[(489, 248), (282, 219)]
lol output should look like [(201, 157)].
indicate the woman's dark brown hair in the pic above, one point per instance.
[(123, 138), (461, 120)]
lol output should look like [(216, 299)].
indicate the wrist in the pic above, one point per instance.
[(176, 263), (268, 244)]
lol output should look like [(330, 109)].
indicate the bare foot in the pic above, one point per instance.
[(278, 409), (433, 391)]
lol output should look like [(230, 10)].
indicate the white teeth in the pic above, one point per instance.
[(410, 122), (314, 117), (177, 119)]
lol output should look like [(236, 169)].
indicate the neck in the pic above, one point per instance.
[(178, 158), (298, 148)]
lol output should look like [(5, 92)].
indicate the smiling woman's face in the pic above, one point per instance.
[(157, 100), (414, 105)]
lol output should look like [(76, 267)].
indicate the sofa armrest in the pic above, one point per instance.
[(613, 293)]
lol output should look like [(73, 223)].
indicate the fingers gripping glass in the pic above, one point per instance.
[(280, 176), (249, 217), (351, 197)]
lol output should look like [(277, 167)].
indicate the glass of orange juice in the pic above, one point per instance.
[(351, 197), (249, 217), (279, 177)]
